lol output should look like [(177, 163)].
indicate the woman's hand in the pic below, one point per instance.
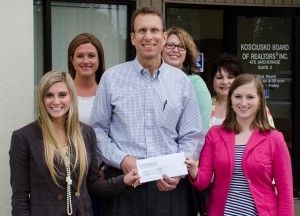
[(191, 167), (132, 178)]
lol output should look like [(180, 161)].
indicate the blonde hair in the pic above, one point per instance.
[(52, 148), (261, 120), (189, 64)]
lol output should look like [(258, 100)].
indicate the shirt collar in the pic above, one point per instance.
[(141, 70)]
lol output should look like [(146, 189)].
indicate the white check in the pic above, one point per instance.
[(152, 169)]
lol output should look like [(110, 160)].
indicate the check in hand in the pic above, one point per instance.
[(128, 164), (167, 183)]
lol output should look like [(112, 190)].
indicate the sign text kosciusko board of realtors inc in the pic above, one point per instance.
[(265, 57)]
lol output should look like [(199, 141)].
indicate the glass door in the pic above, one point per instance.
[(265, 44), (107, 22), (267, 40), (56, 23), (208, 36)]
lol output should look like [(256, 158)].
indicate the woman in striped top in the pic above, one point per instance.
[(245, 153)]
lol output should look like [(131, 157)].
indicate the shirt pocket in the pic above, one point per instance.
[(263, 155), (169, 114)]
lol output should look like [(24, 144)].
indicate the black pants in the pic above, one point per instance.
[(147, 200)]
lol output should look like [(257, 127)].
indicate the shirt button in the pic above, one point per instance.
[(60, 197)]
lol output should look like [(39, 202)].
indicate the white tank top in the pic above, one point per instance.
[(85, 105)]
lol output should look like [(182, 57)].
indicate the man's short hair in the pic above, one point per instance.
[(146, 10)]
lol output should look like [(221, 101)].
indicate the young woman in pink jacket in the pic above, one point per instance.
[(245, 153)]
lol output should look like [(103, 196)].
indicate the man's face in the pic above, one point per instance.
[(148, 37)]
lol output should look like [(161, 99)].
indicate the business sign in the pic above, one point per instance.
[(266, 58)]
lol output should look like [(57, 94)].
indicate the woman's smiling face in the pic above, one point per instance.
[(57, 101), (173, 56)]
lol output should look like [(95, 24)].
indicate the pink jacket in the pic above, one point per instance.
[(265, 157)]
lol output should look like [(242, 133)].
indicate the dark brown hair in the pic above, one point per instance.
[(83, 39), (231, 63)]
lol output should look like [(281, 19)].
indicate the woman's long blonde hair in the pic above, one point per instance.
[(52, 147)]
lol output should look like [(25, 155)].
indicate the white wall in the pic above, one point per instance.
[(16, 82)]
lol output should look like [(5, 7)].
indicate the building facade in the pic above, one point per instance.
[(35, 35)]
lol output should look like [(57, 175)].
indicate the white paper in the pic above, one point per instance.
[(152, 169)]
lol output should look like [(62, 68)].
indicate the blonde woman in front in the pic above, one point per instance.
[(53, 160)]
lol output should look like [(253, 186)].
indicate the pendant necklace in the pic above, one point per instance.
[(69, 181)]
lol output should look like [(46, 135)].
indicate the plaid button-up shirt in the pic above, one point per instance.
[(142, 116)]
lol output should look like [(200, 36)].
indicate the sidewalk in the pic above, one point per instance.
[(297, 207)]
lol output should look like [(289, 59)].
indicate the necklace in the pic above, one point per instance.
[(69, 181)]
